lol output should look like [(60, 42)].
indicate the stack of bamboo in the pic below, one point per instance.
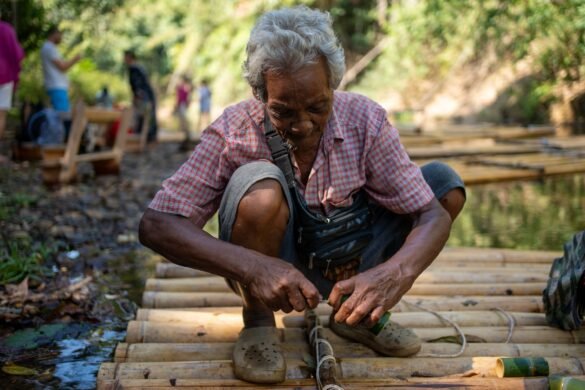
[(184, 334)]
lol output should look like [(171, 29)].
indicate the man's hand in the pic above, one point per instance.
[(371, 294), (280, 286)]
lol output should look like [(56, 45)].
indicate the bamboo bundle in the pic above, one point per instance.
[(326, 364), (541, 269), (176, 352), (348, 384), (217, 284), (296, 320), (162, 332), (351, 368)]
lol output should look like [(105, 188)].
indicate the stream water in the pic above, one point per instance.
[(521, 215)]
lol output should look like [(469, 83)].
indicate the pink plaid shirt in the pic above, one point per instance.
[(359, 149)]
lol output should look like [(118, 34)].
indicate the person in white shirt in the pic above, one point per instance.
[(54, 71)]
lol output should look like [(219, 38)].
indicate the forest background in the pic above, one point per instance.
[(509, 61)]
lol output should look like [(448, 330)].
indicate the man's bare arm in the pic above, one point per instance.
[(65, 65), (269, 279)]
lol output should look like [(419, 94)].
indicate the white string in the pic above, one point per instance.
[(511, 322), (453, 324), (324, 358), (312, 333)]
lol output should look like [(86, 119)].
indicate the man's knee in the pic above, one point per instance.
[(453, 202), (264, 204), (446, 185)]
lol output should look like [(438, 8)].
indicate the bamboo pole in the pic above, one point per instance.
[(527, 303), (351, 368), (349, 384), (170, 270), (176, 352), (161, 332), (326, 364), (296, 320), (177, 299), (437, 275), (217, 284), (497, 255)]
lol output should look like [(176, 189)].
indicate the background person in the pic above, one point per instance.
[(143, 94), (11, 55), (55, 68)]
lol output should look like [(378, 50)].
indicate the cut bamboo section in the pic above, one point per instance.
[(217, 284), (296, 320), (350, 368), (177, 352), (521, 367), (168, 332), (348, 384)]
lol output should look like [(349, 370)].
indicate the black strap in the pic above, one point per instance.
[(279, 149)]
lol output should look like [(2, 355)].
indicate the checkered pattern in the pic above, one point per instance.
[(359, 149)]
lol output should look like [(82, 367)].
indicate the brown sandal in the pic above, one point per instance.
[(258, 356), (389, 340)]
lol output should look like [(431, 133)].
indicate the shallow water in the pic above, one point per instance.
[(522, 215)]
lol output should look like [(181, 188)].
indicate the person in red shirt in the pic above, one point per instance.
[(183, 99), (11, 55), (346, 160)]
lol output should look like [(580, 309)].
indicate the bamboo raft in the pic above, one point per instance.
[(185, 331)]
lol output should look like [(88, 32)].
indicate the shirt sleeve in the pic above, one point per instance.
[(195, 190), (393, 180)]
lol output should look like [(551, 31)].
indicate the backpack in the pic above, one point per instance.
[(45, 128)]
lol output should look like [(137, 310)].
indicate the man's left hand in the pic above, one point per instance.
[(371, 294)]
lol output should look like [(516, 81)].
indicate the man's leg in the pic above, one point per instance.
[(254, 213), (260, 225)]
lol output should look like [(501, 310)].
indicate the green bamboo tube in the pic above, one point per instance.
[(351, 368), (560, 382), (161, 332), (521, 367), (176, 352), (348, 384)]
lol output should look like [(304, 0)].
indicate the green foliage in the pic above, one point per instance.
[(28, 18), (20, 259), (87, 81)]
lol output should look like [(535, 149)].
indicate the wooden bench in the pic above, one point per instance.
[(59, 164)]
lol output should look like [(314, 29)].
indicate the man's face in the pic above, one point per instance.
[(299, 103), (57, 37)]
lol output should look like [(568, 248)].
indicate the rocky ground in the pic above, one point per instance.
[(70, 255)]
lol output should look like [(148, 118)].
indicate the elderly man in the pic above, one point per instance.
[(352, 218)]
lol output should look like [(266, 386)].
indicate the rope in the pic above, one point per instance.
[(323, 359), (511, 323), (453, 324), (312, 333)]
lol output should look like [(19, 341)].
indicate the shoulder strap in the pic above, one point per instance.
[(279, 150)]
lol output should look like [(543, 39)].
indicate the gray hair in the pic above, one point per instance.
[(285, 40)]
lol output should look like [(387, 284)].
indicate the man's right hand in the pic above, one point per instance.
[(280, 286)]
